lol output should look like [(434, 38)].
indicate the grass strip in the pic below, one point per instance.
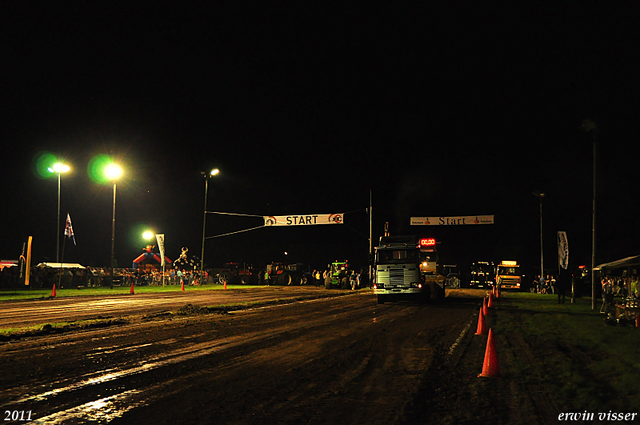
[(31, 294), (588, 364)]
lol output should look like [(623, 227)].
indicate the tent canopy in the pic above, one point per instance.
[(619, 264), (62, 265)]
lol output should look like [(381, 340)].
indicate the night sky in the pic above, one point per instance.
[(457, 109)]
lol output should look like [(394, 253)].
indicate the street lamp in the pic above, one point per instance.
[(58, 168), (113, 172), (207, 176), (541, 197), (591, 127)]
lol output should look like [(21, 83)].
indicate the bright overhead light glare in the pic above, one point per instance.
[(148, 235), (215, 172), (113, 171), (58, 167)]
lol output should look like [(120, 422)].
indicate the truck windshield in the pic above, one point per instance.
[(481, 268), (512, 271), (398, 256)]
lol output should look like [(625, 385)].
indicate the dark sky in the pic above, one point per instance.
[(460, 109)]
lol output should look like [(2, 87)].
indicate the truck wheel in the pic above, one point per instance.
[(327, 283), (425, 296), (286, 279)]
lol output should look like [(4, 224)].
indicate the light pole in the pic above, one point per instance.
[(591, 127), (541, 197), (212, 173), (113, 172), (58, 168)]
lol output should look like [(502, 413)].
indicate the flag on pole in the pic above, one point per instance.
[(68, 229), (563, 250), (160, 239)]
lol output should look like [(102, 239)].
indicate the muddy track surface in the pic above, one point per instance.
[(24, 313), (320, 361)]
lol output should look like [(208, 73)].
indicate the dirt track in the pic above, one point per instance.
[(336, 360), (325, 360)]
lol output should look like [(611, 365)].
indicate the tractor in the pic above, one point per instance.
[(338, 277), (287, 274), (233, 273)]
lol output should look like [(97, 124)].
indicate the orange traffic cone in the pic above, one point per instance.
[(132, 291), (490, 368), (482, 329), (53, 291), (490, 303), (485, 309), (225, 285), (182, 288), (497, 292)]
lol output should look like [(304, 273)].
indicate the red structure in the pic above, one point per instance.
[(148, 259)]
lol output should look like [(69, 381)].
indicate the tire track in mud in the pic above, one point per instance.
[(358, 376)]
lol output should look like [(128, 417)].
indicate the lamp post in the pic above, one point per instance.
[(541, 197), (113, 172), (591, 127), (58, 168), (207, 176)]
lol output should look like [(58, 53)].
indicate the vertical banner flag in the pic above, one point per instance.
[(563, 250), (68, 229), (160, 239), (303, 220), (27, 275)]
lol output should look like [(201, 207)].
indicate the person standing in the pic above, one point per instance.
[(562, 284), (353, 280), (535, 287)]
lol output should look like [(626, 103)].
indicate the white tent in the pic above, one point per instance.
[(62, 265), (622, 263)]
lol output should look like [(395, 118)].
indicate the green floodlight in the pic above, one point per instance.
[(43, 162), (96, 167)]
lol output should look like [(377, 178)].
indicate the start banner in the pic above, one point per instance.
[(452, 221), (303, 220)]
